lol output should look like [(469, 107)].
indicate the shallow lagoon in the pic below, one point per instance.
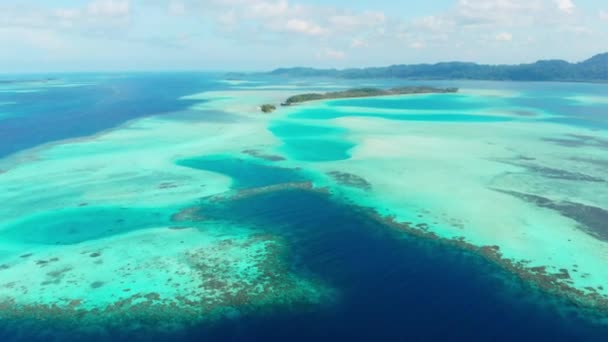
[(300, 236)]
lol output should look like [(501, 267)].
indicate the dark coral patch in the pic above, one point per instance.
[(349, 179), (167, 185), (97, 284), (591, 219), (261, 155), (190, 214), (579, 140)]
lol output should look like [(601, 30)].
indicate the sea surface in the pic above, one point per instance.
[(110, 144)]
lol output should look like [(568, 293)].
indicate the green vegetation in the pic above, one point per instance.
[(365, 92), (268, 108), (593, 69)]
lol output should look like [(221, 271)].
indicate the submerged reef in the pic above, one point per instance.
[(549, 172), (197, 277), (592, 220), (578, 140), (261, 155), (555, 281), (187, 215), (240, 194), (349, 179), (558, 282), (207, 277)]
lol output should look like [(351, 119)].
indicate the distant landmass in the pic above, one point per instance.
[(594, 69)]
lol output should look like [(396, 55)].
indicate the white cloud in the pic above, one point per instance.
[(504, 37), (358, 43), (237, 25), (176, 8), (269, 9), (417, 45), (576, 29), (272, 20), (431, 23), (357, 21), (304, 26), (331, 54), (109, 8), (565, 6), (491, 12), (68, 13)]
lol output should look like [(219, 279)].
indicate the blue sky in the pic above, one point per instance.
[(98, 35)]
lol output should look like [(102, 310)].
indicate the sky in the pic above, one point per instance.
[(244, 35)]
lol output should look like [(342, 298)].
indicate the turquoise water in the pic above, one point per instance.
[(316, 149), (390, 285), (244, 174), (286, 129), (75, 225), (387, 285), (326, 114), (315, 143), (420, 102)]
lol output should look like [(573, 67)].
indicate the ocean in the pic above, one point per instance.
[(167, 207)]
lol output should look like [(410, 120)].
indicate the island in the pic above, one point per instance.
[(268, 108), (366, 92)]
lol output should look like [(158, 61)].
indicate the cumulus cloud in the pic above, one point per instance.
[(176, 8), (331, 54), (109, 8), (270, 20), (269, 9), (504, 37), (488, 12), (357, 43), (309, 27), (417, 45), (68, 13), (357, 21), (93, 16), (565, 6), (431, 23), (304, 27)]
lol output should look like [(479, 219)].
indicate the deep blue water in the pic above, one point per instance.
[(103, 102), (390, 286)]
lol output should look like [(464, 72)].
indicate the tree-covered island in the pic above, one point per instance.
[(268, 108), (366, 92)]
